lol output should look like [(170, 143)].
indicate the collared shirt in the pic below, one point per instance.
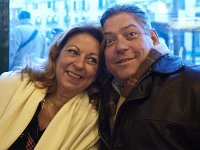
[(117, 86)]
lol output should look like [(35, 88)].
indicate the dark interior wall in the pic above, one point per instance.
[(4, 35)]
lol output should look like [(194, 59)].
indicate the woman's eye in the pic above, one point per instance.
[(109, 42), (92, 60), (73, 52)]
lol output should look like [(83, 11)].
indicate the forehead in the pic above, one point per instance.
[(84, 36), (117, 22), (84, 41)]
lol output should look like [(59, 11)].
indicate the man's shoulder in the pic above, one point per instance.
[(168, 64), (22, 29), (192, 69)]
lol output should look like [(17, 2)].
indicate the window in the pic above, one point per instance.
[(176, 21), (197, 2), (83, 5), (100, 4), (75, 5), (4, 31)]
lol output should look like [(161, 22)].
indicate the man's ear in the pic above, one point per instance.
[(154, 37)]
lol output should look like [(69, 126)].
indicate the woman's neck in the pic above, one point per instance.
[(58, 100)]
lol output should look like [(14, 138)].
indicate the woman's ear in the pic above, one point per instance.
[(154, 37)]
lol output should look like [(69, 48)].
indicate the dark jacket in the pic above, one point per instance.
[(161, 113)]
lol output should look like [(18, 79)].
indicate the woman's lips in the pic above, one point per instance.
[(73, 75)]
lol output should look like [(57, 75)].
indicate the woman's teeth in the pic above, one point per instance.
[(74, 75)]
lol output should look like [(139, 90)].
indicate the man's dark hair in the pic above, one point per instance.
[(137, 13)]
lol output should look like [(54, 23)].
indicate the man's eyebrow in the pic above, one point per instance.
[(108, 33), (130, 25), (122, 29)]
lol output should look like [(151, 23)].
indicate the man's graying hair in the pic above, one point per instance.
[(137, 13)]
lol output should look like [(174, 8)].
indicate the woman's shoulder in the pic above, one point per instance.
[(9, 83), (11, 76), (11, 79)]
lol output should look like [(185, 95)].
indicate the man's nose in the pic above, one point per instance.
[(122, 44)]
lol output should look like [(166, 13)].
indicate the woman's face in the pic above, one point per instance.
[(78, 63)]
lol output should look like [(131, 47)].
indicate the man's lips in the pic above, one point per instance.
[(123, 60)]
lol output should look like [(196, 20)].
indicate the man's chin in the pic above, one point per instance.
[(122, 80)]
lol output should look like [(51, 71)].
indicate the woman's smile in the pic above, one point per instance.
[(73, 75)]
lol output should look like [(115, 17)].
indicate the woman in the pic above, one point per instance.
[(55, 107)]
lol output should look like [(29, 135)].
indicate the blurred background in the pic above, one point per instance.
[(176, 21)]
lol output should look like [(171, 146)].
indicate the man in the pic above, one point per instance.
[(152, 99), (26, 42)]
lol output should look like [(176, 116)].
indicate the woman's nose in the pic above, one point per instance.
[(79, 63)]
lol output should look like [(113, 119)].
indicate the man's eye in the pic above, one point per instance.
[(131, 35), (73, 52), (92, 60), (109, 42)]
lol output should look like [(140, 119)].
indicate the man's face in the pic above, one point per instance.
[(127, 45)]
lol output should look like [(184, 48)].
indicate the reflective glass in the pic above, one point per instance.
[(176, 21)]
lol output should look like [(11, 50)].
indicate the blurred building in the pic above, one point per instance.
[(177, 21)]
